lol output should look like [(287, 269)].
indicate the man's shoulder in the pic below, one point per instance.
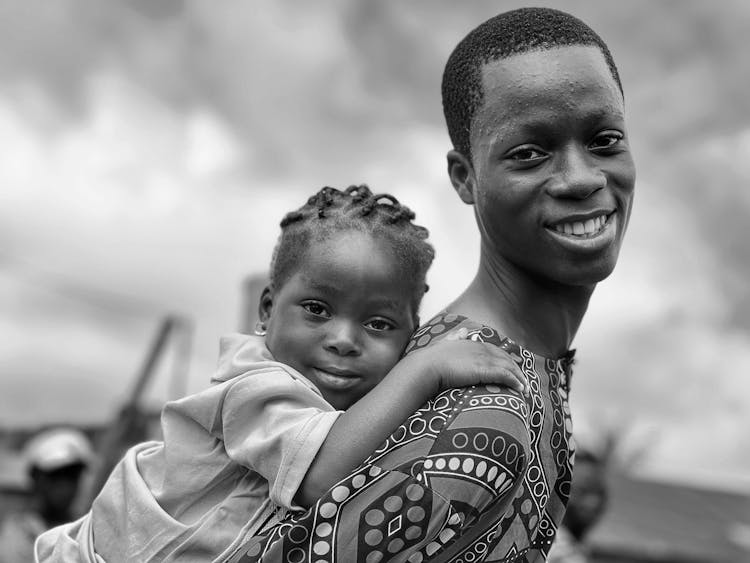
[(443, 323)]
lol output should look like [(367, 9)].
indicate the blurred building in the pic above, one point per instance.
[(656, 522)]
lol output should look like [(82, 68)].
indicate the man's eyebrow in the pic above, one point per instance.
[(604, 113), (541, 127), (596, 115)]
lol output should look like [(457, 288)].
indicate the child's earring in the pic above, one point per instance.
[(260, 329)]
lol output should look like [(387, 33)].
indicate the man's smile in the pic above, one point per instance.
[(585, 227), (587, 234)]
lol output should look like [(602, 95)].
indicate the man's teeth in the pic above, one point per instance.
[(588, 227)]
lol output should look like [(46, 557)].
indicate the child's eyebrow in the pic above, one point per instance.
[(390, 304), (376, 301), (325, 287)]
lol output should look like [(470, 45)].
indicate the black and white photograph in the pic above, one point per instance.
[(375, 281)]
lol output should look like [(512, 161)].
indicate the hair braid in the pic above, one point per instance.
[(332, 212)]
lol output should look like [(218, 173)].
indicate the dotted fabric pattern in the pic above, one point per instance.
[(477, 474)]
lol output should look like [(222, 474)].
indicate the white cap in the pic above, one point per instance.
[(53, 449)]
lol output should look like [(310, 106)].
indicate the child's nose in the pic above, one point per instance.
[(343, 339)]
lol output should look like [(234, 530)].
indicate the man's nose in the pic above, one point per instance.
[(343, 339), (577, 175)]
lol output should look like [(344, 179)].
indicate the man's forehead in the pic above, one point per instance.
[(536, 65), (532, 85)]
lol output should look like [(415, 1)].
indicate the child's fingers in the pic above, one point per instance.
[(500, 362), (509, 377), (519, 376), (519, 383), (488, 373), (479, 360)]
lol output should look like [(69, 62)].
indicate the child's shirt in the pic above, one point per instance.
[(232, 457)]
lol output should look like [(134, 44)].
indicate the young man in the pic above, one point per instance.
[(535, 111)]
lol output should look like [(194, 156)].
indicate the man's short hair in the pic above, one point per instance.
[(510, 33)]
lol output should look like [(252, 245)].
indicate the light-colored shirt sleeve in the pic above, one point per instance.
[(267, 424), (275, 424), (229, 454)]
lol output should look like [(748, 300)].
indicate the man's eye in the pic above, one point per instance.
[(317, 309), (607, 140), (379, 325)]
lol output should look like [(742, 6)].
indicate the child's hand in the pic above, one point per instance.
[(455, 361)]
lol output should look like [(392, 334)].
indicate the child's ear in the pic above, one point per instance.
[(461, 174), (265, 304)]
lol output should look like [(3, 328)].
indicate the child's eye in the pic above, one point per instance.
[(379, 325), (316, 308), (527, 154), (606, 140)]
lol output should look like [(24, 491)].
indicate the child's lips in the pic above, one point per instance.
[(343, 372), (336, 378)]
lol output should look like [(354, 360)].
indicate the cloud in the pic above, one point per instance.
[(150, 149), (658, 356)]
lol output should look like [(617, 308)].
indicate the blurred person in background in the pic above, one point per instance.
[(55, 460), (588, 501)]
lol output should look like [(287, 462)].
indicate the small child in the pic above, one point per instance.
[(297, 406)]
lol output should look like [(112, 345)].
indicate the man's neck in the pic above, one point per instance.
[(541, 316)]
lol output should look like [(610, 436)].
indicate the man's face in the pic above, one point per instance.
[(553, 173)]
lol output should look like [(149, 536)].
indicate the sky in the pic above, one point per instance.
[(150, 148)]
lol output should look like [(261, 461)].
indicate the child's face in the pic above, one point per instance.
[(343, 318), (553, 172)]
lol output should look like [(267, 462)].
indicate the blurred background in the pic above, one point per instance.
[(150, 148)]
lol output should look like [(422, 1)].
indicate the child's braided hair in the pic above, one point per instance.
[(334, 212)]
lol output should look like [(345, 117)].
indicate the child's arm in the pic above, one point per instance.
[(417, 378)]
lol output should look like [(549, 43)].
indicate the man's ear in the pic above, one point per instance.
[(265, 305), (461, 173)]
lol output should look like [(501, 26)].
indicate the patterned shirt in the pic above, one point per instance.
[(477, 474)]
